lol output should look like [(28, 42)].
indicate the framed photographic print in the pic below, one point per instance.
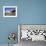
[(9, 11)]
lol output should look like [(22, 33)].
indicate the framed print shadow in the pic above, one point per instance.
[(9, 11)]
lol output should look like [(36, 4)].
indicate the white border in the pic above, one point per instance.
[(9, 7), (18, 33)]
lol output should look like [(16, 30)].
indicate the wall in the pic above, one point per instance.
[(29, 12)]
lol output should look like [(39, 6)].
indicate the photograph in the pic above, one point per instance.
[(9, 11)]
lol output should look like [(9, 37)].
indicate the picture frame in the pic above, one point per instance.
[(9, 11)]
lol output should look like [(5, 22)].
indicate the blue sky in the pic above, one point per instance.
[(9, 9)]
